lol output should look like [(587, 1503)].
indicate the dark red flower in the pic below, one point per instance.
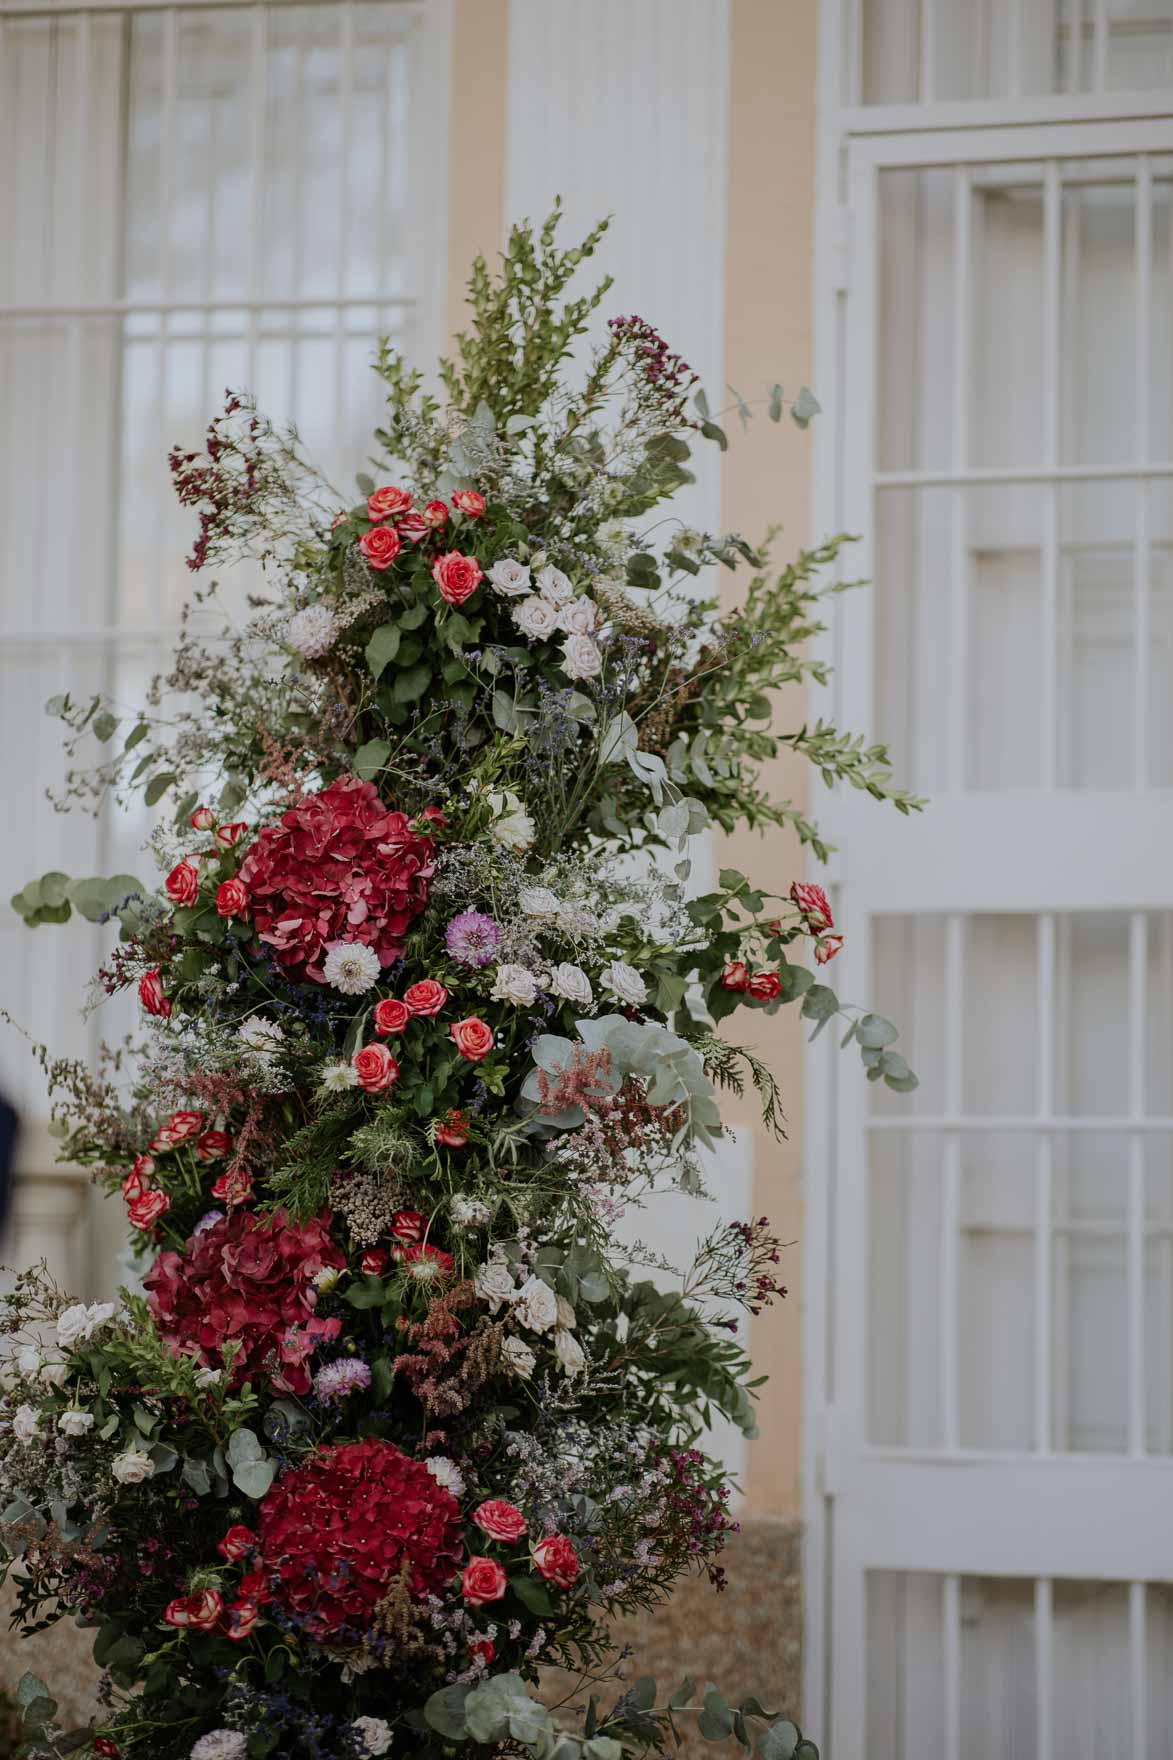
[(812, 902), (408, 1226), (337, 1531), (212, 1146), (247, 1281), (237, 1543), (340, 866), (765, 986)]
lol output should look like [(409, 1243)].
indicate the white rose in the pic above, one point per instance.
[(446, 1473), (512, 826), (536, 1305), (28, 1359), (536, 618), (581, 658), (510, 578), (494, 1284), (569, 1353), (373, 1733), (26, 1421), (518, 1358), (572, 984), (326, 1279), (55, 1372), (538, 901), (578, 617), (512, 983), (554, 586), (73, 1323), (577, 919), (132, 1466), (74, 1422), (624, 983), (566, 1314)]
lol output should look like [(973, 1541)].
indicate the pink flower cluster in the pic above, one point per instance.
[(247, 1282), (340, 866)]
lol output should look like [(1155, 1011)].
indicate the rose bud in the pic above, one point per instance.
[(231, 898), (233, 1188), (376, 1068), (556, 1560), (765, 986), (380, 546), (407, 1226), (238, 1543), (152, 995), (812, 902), (735, 976), (436, 514), (373, 1262), (827, 948), (390, 1016), (227, 835), (451, 1130), (457, 576), (203, 819), (182, 884), (240, 1619)]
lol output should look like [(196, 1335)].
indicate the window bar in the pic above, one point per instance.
[(1014, 47), (301, 130), (258, 89), (1140, 560), (1060, 1206), (1044, 1670), (1135, 1283), (958, 583), (928, 56), (1044, 1182), (1163, 1368), (1050, 392), (1075, 43), (951, 1659), (1100, 46), (951, 1184), (346, 99), (83, 259), (211, 174), (169, 88), (1138, 1669)]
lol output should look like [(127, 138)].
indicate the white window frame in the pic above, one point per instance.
[(952, 1512)]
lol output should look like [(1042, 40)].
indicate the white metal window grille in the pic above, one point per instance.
[(192, 197), (990, 1410)]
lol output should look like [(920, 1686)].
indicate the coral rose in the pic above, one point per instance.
[(457, 576), (376, 1068), (556, 1560), (247, 1282), (425, 998), (499, 1520), (182, 884), (482, 1581), (472, 1038), (380, 546), (231, 898), (412, 527), (390, 1015), (469, 501), (199, 1612), (388, 503), (436, 514), (338, 867), (338, 1531), (146, 1210), (452, 1130)]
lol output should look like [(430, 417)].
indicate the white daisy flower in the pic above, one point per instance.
[(351, 967)]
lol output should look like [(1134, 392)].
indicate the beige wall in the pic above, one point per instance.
[(772, 84)]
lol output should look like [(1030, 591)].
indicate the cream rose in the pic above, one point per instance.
[(572, 984), (624, 983), (510, 578), (536, 618), (581, 658), (536, 1306), (513, 983)]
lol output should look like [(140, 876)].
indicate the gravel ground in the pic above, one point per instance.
[(747, 1640)]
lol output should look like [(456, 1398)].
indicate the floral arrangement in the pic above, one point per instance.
[(429, 999)]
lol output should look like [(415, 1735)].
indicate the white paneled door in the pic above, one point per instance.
[(992, 1371), (191, 197)]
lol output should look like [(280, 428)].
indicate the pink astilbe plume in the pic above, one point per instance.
[(584, 1081)]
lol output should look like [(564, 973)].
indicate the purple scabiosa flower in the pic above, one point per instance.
[(334, 1381), (472, 938)]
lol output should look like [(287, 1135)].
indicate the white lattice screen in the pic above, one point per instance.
[(192, 197), (992, 1403)]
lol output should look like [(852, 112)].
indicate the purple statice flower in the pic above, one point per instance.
[(472, 938), (208, 1220), (334, 1381)]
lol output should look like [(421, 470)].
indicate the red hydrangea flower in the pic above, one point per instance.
[(340, 866), (247, 1281), (336, 1532)]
